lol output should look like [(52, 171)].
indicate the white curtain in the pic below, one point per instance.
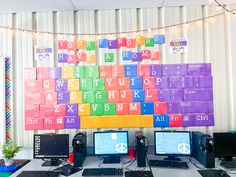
[(2, 100)]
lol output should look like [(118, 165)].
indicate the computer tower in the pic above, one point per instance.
[(202, 149), (79, 144), (141, 150)]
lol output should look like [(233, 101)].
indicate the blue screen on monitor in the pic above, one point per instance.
[(110, 143), (172, 143)]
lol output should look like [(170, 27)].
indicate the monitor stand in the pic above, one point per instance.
[(172, 158), (52, 162), (111, 159)]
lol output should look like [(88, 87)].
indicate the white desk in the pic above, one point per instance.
[(92, 162)]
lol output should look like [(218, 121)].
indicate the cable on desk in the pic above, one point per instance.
[(127, 161), (99, 165), (140, 169), (194, 163), (124, 163), (127, 168), (148, 164), (50, 169)]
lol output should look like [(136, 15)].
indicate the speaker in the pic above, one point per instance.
[(79, 144), (203, 149), (141, 150)]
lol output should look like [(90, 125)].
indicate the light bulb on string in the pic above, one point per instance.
[(149, 31), (85, 37), (61, 36), (35, 35), (199, 22), (227, 13), (162, 30), (186, 25), (93, 37), (218, 8), (110, 36), (48, 35), (175, 27), (122, 35), (73, 36), (97, 37), (212, 19)]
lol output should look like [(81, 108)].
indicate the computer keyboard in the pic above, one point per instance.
[(102, 172), (138, 174), (229, 165), (168, 164), (213, 173), (38, 174)]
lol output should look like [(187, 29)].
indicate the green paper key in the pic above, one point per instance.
[(97, 109), (109, 109)]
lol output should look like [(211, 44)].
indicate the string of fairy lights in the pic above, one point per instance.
[(226, 11)]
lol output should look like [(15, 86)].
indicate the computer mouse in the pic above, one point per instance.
[(70, 170), (222, 173)]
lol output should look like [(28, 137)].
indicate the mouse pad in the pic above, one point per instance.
[(138, 174), (213, 173)]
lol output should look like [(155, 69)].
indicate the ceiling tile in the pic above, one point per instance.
[(115, 4), (34, 5), (65, 5)]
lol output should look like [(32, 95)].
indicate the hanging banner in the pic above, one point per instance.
[(177, 46), (73, 52), (43, 53)]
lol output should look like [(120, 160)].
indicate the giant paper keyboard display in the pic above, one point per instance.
[(144, 95)]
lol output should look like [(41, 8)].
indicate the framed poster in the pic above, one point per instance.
[(43, 53), (178, 45)]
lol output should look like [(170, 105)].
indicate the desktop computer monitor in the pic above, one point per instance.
[(225, 145), (111, 145), (172, 144), (52, 147)]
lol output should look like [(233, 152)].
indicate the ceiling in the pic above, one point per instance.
[(65, 5)]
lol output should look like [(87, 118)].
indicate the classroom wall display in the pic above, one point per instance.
[(116, 96), (84, 51)]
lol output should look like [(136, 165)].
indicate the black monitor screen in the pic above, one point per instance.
[(111, 143), (172, 143), (51, 146), (224, 144)]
